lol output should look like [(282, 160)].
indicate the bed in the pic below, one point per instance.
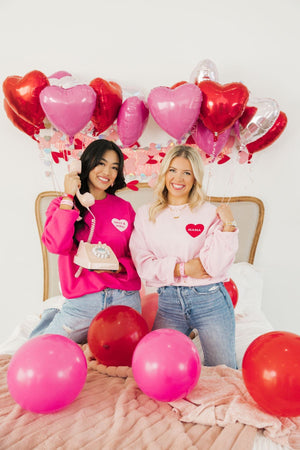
[(111, 412)]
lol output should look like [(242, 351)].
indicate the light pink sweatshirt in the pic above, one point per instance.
[(114, 224), (157, 246)]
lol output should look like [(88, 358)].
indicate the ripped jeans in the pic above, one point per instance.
[(76, 314), (208, 309)]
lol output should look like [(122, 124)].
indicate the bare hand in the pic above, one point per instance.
[(195, 269), (224, 213)]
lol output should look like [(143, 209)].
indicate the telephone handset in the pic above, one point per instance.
[(87, 199)]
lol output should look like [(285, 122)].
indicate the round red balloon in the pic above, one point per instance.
[(232, 291), (271, 372), (114, 334)]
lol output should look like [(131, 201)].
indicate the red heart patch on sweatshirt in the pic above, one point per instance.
[(194, 230)]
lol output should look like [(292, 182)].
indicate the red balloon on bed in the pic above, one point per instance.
[(271, 372), (232, 291), (114, 334)]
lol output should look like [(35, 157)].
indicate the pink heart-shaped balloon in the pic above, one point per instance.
[(69, 110), (175, 110), (205, 139), (132, 119)]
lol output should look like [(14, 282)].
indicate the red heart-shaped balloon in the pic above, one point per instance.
[(108, 103), (222, 105), (247, 115), (20, 123), (271, 135), (179, 83), (23, 96)]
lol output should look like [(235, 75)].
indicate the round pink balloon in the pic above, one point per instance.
[(149, 305), (205, 139), (132, 119), (175, 110), (47, 373), (69, 110), (166, 365)]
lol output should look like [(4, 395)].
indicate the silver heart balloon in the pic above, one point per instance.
[(205, 70), (267, 112)]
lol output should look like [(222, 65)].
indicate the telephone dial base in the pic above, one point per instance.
[(96, 257)]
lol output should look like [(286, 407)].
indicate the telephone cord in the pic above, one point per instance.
[(90, 237)]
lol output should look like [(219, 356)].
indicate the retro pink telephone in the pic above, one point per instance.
[(92, 256), (86, 199)]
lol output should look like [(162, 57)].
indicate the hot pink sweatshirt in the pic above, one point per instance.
[(114, 224), (157, 246)]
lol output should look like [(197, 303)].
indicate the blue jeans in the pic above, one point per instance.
[(76, 315), (207, 308)]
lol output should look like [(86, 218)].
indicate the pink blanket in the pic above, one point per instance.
[(112, 413), (221, 398)]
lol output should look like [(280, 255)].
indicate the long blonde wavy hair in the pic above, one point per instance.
[(196, 195)]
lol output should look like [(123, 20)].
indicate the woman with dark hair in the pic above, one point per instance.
[(68, 222)]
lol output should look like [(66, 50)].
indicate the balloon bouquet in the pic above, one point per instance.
[(64, 116), (230, 110)]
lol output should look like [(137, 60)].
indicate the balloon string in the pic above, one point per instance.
[(209, 175), (214, 152), (230, 180), (55, 181)]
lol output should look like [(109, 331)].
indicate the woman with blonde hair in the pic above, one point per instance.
[(184, 246)]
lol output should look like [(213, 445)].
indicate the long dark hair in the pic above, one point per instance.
[(90, 158)]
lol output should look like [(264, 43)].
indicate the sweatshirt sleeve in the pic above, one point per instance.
[(152, 269), (219, 249), (59, 228)]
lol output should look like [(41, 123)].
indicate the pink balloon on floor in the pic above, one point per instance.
[(47, 373), (166, 365)]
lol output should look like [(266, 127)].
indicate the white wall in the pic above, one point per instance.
[(146, 44)]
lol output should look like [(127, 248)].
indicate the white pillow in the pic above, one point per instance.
[(247, 328), (53, 302), (249, 285)]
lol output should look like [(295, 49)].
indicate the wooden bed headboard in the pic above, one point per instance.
[(247, 211)]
